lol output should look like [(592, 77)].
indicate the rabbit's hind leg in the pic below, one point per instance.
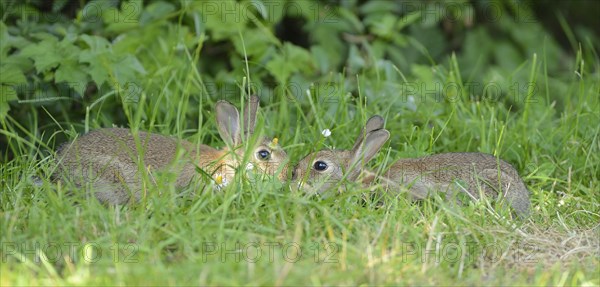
[(511, 188)]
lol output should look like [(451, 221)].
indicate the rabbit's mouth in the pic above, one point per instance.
[(296, 186), (274, 170), (320, 190), (304, 187)]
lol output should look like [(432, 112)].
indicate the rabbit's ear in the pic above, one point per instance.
[(250, 111), (363, 153), (228, 123), (374, 123)]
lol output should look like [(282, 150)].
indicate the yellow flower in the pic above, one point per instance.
[(274, 143)]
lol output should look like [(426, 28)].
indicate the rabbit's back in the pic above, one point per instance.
[(120, 145), (447, 166), (451, 172), (108, 159)]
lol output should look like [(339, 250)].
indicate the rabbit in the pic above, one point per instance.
[(446, 172), (107, 158)]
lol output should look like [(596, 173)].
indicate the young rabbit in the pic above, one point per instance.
[(108, 158), (447, 172)]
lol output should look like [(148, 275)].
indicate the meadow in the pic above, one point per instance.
[(504, 87)]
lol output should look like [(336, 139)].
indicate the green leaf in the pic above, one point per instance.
[(507, 56), (355, 60), (255, 40), (155, 11), (58, 5), (126, 70), (373, 7), (408, 19), (98, 66), (294, 59), (11, 75), (105, 64), (349, 17), (4, 40), (383, 26), (96, 10), (322, 58), (97, 56), (298, 58), (126, 18), (49, 53), (423, 73), (327, 35), (97, 44), (72, 73), (44, 54), (280, 69), (7, 93), (223, 19)]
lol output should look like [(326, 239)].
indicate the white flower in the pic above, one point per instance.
[(326, 133), (220, 182)]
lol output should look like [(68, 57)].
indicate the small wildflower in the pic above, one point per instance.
[(326, 133), (220, 182), (274, 143)]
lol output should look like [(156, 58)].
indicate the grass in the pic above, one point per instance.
[(258, 232)]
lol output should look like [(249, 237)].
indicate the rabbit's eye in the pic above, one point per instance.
[(263, 154), (320, 166)]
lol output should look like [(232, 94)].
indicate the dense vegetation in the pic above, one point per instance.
[(520, 80)]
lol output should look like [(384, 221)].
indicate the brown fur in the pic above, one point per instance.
[(455, 172), (107, 158)]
